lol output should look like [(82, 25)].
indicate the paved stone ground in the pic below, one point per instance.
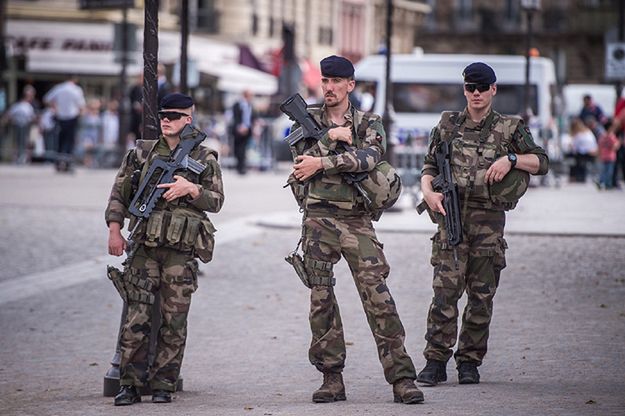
[(556, 345)]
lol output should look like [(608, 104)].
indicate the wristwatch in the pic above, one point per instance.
[(512, 159)]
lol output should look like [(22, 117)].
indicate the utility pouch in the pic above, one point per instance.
[(295, 260), (154, 229), (175, 228), (190, 233), (117, 277), (205, 242), (298, 188)]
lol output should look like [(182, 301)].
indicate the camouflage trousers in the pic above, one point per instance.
[(325, 240), (173, 275), (481, 257)]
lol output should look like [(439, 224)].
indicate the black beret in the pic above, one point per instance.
[(336, 66), (176, 100), (479, 73)]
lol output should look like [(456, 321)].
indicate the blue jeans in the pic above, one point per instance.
[(607, 170)]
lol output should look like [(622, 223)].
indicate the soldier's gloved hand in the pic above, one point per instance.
[(342, 134), (179, 188), (498, 170), (306, 167), (117, 243)]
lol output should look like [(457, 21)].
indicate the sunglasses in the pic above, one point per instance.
[(471, 87), (171, 115)]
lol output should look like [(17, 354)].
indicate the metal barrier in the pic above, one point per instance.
[(408, 160)]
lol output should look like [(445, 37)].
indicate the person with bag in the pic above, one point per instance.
[(337, 223), (491, 157), (163, 262)]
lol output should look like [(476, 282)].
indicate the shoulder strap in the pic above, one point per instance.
[(455, 117)]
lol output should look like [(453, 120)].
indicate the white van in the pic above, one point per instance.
[(602, 95), (424, 85)]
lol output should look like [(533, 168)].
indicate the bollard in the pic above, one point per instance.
[(111, 378)]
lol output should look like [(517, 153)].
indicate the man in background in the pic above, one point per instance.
[(68, 101)]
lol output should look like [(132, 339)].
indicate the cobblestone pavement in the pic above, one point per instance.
[(556, 343)]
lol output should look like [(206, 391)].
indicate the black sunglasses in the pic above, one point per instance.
[(171, 115), (471, 87)]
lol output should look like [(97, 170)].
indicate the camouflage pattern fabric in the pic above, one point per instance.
[(176, 233), (328, 192), (210, 199), (325, 240), (175, 274), (473, 154), (481, 257)]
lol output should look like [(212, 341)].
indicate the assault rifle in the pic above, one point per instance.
[(162, 171), (296, 109), (444, 183)]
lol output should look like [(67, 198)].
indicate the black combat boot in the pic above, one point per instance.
[(161, 396), (405, 391), (127, 395), (332, 389), (467, 373), (433, 373)]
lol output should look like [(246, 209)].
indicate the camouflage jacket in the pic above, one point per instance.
[(211, 197), (474, 150), (327, 192)]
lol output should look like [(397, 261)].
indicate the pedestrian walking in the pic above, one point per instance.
[(243, 117), (489, 157), (68, 101), (336, 223), (177, 231)]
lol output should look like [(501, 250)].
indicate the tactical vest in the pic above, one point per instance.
[(176, 224), (473, 152), (333, 193)]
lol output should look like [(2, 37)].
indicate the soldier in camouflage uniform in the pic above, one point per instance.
[(337, 224), (491, 156), (164, 264)]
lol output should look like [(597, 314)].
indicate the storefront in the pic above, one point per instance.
[(43, 53)]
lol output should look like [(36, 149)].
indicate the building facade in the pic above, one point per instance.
[(571, 32)]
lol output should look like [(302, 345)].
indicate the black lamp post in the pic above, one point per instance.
[(529, 7)]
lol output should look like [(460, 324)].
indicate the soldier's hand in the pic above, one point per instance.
[(434, 201), (179, 188), (306, 167), (117, 243), (498, 170), (342, 134)]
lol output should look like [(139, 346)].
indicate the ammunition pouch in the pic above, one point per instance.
[(180, 230)]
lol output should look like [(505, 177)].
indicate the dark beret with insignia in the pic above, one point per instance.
[(479, 73), (176, 100), (336, 66)]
